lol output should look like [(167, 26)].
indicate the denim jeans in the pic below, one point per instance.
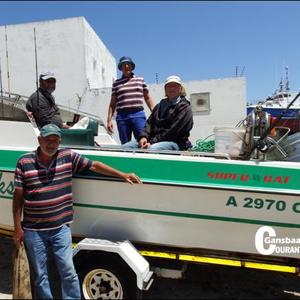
[(59, 241), (130, 123), (156, 146)]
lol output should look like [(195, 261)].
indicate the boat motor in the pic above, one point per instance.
[(257, 124)]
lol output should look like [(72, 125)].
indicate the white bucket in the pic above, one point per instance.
[(229, 140)]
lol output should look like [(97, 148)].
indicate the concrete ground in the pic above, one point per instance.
[(200, 282)]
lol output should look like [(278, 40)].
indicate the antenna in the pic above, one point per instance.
[(8, 80), (237, 71), (287, 88), (280, 85), (156, 78), (243, 70)]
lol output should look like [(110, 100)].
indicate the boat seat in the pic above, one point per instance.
[(93, 126), (77, 137)]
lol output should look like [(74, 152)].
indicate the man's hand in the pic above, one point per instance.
[(110, 126), (131, 178), (66, 126), (18, 237), (29, 114), (143, 143)]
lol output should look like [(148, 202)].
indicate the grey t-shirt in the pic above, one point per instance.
[(44, 109)]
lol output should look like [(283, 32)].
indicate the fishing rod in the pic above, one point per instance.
[(260, 144), (36, 72), (1, 91), (1, 86), (7, 65)]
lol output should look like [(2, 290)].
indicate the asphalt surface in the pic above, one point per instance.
[(199, 282)]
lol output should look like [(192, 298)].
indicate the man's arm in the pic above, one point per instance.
[(111, 111), (149, 100), (101, 168), (17, 213)]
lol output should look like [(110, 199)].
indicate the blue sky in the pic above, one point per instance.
[(196, 40)]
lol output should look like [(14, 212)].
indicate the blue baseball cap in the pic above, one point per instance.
[(50, 129)]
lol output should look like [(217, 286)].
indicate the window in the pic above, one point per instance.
[(200, 102)]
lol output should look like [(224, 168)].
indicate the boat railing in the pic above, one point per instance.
[(81, 113), (16, 100), (119, 148)]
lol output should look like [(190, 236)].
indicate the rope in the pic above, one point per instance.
[(204, 146)]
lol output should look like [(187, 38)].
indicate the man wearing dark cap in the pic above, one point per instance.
[(128, 95), (41, 104), (43, 192)]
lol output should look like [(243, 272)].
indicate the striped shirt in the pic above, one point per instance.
[(47, 191), (129, 92)]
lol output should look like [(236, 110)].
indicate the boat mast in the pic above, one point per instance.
[(287, 78)]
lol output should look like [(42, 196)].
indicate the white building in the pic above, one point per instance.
[(85, 71), (68, 47)]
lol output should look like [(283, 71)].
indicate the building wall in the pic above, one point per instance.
[(227, 104), (68, 47), (85, 71)]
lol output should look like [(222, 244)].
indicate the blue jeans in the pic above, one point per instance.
[(156, 146), (130, 123), (60, 243)]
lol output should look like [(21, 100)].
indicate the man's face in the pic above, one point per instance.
[(172, 90), (49, 144), (126, 69), (48, 85)]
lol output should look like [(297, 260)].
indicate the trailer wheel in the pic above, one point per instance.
[(106, 282)]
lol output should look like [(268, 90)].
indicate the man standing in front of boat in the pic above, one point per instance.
[(128, 95), (41, 104), (43, 192)]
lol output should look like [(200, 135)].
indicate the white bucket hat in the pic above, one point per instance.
[(173, 78)]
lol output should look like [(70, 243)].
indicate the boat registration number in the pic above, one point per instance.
[(259, 203)]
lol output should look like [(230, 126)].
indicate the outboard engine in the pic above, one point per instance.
[(262, 141), (257, 124)]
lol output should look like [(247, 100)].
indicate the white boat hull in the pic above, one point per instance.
[(172, 215)]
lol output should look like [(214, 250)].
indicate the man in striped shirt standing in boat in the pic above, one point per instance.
[(43, 192), (128, 95)]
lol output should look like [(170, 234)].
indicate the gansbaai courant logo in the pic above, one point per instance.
[(267, 242)]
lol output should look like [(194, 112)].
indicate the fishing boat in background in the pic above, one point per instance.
[(277, 103)]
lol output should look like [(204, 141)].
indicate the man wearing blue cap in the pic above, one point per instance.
[(128, 95), (43, 192)]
